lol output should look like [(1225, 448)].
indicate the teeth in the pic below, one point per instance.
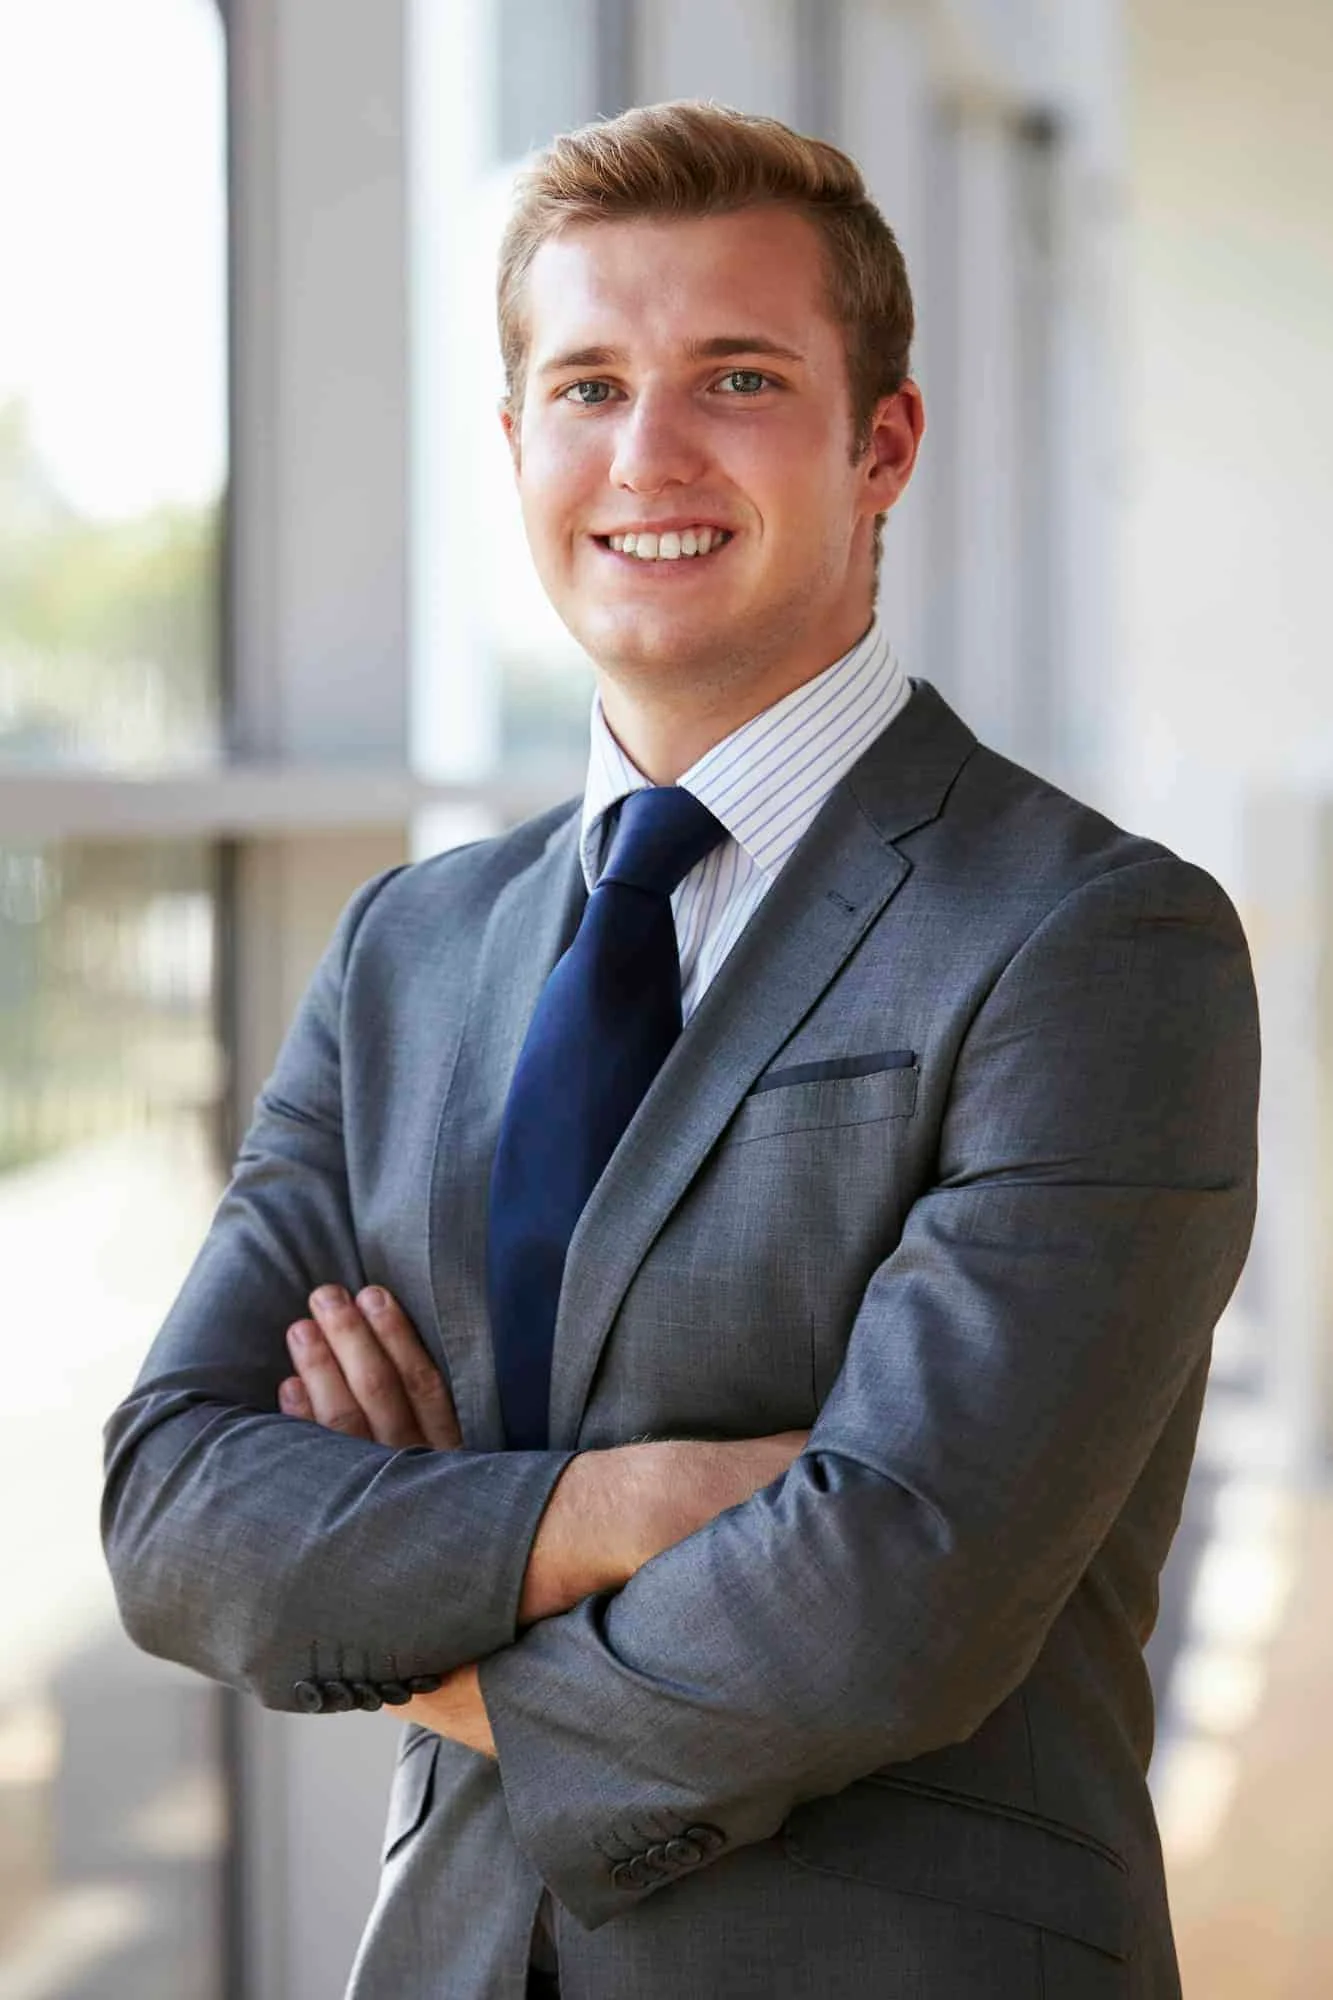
[(670, 545)]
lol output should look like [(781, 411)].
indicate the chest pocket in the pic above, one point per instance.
[(843, 1091)]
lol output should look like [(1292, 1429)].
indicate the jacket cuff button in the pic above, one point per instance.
[(707, 1836), (425, 1683), (309, 1696), (338, 1698), (367, 1696), (683, 1852), (394, 1693)]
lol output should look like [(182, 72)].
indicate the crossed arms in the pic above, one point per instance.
[(1012, 1365), (362, 1371)]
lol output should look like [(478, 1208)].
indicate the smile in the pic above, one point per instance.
[(670, 546)]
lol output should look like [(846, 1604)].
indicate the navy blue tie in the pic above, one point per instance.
[(600, 1031)]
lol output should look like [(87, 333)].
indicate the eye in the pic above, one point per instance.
[(571, 395), (750, 379)]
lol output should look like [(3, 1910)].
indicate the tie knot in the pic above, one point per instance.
[(662, 832)]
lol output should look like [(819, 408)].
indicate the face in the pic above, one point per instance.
[(686, 384)]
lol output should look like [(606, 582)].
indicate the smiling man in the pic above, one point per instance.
[(748, 1239), (716, 433)]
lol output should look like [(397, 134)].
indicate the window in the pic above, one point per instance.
[(112, 381), (112, 462)]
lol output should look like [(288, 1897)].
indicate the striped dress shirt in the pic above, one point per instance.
[(765, 782)]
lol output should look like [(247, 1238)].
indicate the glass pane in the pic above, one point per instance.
[(500, 684), (111, 1800), (112, 380)]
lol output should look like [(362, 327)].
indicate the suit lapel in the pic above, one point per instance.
[(531, 922), (834, 886)]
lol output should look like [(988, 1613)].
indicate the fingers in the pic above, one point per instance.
[(425, 1387), (293, 1399), (328, 1398), (362, 1370), (352, 1384)]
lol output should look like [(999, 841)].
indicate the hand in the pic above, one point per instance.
[(362, 1370), (455, 1710)]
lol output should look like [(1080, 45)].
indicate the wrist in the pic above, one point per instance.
[(658, 1483), (589, 1534)]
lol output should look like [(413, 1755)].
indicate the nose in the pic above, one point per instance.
[(656, 446)]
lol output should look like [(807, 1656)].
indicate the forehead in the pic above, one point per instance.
[(648, 285)]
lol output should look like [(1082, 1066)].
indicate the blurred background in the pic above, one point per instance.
[(267, 624)]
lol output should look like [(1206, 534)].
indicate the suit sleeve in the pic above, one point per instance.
[(1010, 1367), (260, 1550)]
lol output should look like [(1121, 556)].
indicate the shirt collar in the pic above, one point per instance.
[(768, 779)]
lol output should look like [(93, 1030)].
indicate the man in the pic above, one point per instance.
[(763, 1223)]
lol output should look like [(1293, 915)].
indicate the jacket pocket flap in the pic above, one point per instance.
[(830, 1067), (836, 1100), (410, 1792), (956, 1850)]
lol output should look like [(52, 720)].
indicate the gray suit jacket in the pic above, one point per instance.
[(955, 1162)]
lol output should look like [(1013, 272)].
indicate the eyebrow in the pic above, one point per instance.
[(718, 347)]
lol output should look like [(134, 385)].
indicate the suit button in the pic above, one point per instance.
[(710, 1838), (425, 1683), (657, 1856), (338, 1698), (394, 1693), (366, 1695), (684, 1853), (640, 1874), (310, 1695), (621, 1877)]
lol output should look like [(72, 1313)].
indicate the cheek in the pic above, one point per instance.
[(791, 479), (559, 475)]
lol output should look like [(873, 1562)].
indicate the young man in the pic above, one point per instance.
[(763, 1223)]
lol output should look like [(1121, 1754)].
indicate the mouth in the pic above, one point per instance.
[(670, 552)]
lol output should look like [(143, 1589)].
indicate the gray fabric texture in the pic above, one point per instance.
[(904, 1684)]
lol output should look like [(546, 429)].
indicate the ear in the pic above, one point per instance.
[(509, 425), (896, 432)]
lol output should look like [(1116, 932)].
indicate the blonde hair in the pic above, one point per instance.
[(693, 158)]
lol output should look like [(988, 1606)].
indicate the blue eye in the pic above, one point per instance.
[(569, 395), (754, 376)]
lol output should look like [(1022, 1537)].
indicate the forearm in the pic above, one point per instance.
[(586, 1534), (604, 1513), (265, 1553), (611, 1511)]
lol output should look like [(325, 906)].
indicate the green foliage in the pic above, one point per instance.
[(108, 656), (108, 629)]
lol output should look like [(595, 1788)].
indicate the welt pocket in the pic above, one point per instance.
[(793, 1100), (411, 1790), (830, 1069), (955, 1849)]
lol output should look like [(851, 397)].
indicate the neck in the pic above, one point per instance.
[(666, 731)]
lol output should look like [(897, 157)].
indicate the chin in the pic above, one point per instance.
[(639, 644)]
